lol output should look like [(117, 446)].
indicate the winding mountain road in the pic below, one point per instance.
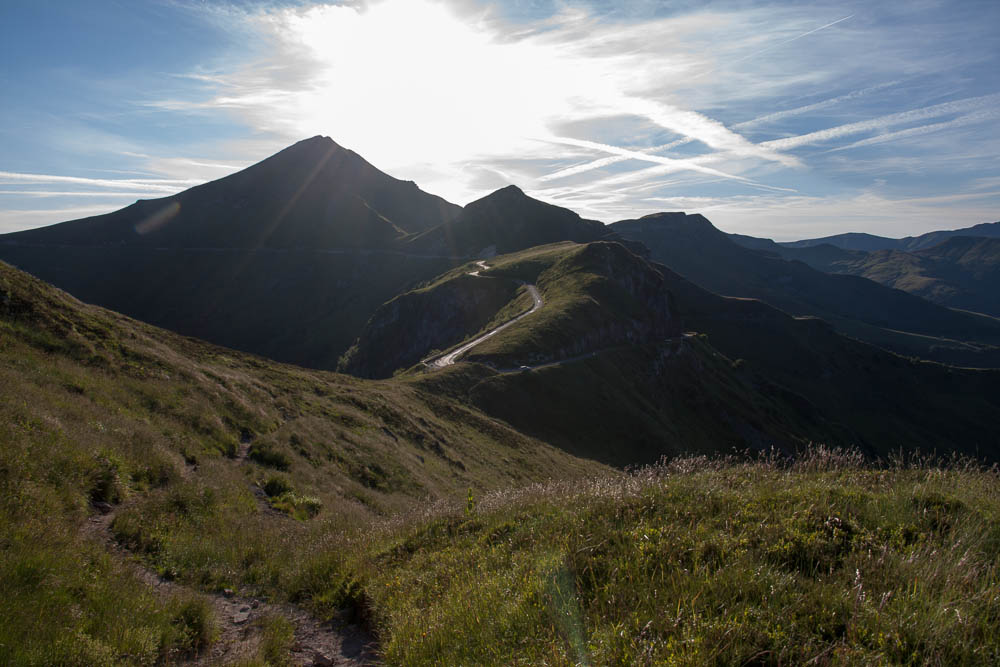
[(449, 358)]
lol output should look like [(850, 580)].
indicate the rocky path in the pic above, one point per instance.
[(240, 619)]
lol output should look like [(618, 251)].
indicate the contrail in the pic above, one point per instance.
[(607, 161), (670, 164), (773, 46), (789, 41), (969, 119), (798, 111), (956, 106)]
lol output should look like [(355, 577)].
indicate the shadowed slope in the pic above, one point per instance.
[(287, 258), (859, 307), (312, 194), (507, 221)]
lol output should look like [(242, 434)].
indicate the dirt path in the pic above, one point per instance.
[(239, 618)]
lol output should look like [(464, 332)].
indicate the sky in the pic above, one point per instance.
[(786, 120)]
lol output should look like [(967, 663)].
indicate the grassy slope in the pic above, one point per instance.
[(876, 400), (438, 315), (699, 563), (596, 295), (97, 407)]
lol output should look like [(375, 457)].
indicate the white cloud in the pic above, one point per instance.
[(162, 185), (15, 220)]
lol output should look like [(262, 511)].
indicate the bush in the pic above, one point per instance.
[(192, 627), (107, 486), (265, 454), (276, 486)]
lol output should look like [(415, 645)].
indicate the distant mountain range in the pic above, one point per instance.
[(869, 242), (855, 306), (958, 268)]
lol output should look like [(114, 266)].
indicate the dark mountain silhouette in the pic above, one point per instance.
[(692, 246), (507, 221), (313, 194)]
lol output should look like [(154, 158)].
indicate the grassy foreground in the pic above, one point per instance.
[(699, 562)]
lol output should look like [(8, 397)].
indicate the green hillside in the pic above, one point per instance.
[(220, 470), (701, 562), (604, 356), (430, 509), (961, 272)]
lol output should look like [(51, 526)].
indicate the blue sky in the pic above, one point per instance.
[(779, 119)]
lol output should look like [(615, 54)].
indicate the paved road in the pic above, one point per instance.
[(449, 358)]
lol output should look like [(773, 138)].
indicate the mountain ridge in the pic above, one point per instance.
[(694, 248)]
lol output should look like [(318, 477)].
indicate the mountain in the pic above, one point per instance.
[(604, 355), (507, 221), (869, 242), (287, 258), (313, 194), (693, 247)]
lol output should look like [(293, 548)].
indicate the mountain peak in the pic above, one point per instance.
[(672, 221), (508, 193)]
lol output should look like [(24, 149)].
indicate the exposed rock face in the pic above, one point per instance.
[(404, 330)]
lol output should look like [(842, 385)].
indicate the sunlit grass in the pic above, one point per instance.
[(701, 562)]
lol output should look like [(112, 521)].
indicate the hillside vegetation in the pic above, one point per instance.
[(956, 268), (220, 470), (700, 562)]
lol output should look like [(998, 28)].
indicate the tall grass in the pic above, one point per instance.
[(703, 561)]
